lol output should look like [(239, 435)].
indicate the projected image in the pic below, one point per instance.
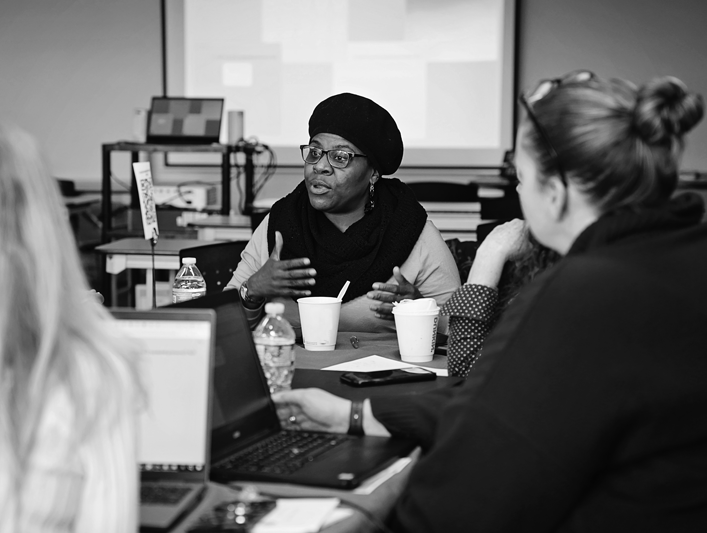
[(441, 67)]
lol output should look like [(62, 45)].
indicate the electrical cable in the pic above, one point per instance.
[(120, 182), (264, 162)]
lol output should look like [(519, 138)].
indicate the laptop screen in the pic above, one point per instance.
[(242, 408), (174, 366), (184, 120)]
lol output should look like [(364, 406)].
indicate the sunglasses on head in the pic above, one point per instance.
[(544, 88)]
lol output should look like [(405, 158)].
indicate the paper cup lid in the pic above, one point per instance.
[(421, 306)]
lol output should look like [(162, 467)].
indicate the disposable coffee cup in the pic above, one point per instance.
[(416, 326), (319, 318)]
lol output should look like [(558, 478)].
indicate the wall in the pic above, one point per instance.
[(74, 70), (633, 39)]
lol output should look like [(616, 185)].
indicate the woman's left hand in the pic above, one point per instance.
[(387, 293)]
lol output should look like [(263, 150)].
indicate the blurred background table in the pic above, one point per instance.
[(223, 227), (137, 253)]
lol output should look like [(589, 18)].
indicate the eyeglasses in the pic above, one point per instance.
[(336, 158), (544, 88)]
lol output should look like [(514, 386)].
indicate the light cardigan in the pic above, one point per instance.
[(430, 267), (72, 484)]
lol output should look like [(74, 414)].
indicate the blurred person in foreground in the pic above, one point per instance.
[(587, 411), (67, 413), (345, 222)]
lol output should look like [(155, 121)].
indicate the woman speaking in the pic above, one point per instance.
[(344, 222)]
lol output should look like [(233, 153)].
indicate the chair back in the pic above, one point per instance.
[(464, 253), (216, 261), (442, 191), (504, 208)]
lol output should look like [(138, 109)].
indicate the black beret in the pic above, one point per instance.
[(364, 123)]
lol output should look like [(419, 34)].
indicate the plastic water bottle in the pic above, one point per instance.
[(189, 283), (275, 342)]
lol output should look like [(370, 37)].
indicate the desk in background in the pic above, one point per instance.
[(136, 253), (136, 149), (223, 227)]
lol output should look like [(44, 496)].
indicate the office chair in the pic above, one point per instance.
[(504, 208), (442, 191), (464, 253), (216, 261)]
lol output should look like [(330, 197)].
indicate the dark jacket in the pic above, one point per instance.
[(587, 410)]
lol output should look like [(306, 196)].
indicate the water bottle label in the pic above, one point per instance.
[(278, 362), (180, 295)]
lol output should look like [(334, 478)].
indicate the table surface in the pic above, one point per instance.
[(137, 246), (384, 344), (308, 374)]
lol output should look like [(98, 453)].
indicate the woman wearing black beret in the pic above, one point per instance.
[(345, 223)]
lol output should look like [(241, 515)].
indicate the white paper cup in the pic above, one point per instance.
[(319, 318), (416, 326)]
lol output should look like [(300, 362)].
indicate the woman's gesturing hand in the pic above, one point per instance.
[(312, 410), (282, 278), (387, 293)]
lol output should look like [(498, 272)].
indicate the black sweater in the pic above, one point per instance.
[(587, 410)]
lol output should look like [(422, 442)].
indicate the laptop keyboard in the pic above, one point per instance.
[(162, 494), (282, 453)]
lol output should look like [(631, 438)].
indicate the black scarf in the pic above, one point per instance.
[(625, 223), (365, 253)]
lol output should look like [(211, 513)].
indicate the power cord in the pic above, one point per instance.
[(264, 162), (120, 182)]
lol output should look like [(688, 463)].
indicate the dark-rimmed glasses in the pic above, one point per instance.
[(544, 88), (336, 158)]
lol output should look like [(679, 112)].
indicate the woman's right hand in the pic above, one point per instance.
[(282, 278), (312, 410), (506, 242)]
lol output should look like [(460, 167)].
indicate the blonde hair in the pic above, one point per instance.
[(53, 333)]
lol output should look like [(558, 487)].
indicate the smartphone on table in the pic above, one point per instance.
[(386, 377)]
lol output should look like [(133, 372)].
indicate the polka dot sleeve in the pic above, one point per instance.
[(471, 311)]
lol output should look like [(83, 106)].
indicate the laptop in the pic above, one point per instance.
[(174, 441), (184, 120), (245, 421)]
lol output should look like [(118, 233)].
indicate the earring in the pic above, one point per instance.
[(371, 200)]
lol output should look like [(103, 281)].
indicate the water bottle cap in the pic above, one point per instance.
[(274, 308), (189, 260)]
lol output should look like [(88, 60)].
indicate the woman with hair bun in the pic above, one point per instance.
[(587, 411)]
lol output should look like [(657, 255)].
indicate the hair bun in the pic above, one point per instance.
[(666, 110)]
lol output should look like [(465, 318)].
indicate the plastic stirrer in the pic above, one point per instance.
[(343, 290)]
